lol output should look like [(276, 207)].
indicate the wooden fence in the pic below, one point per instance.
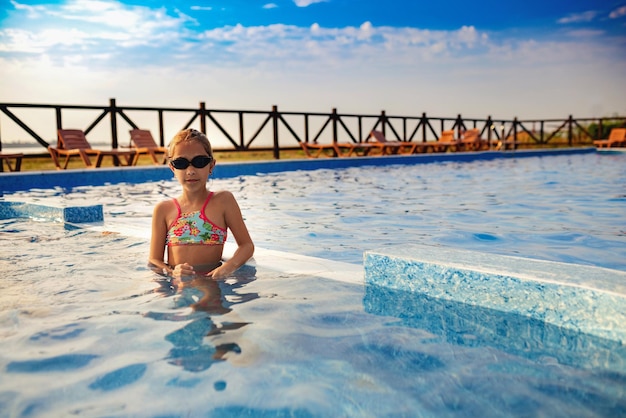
[(246, 130)]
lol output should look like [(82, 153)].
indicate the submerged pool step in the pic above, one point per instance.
[(586, 299), (58, 212)]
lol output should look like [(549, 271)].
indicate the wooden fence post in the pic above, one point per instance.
[(275, 127), (404, 129), (203, 117), (383, 119), (570, 132), (161, 128), (459, 125), (57, 111), (333, 118), (113, 114), (241, 130), (489, 128)]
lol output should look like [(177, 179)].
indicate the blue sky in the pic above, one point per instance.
[(530, 59)]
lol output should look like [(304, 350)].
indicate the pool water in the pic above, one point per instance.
[(84, 337), (88, 330), (567, 208)]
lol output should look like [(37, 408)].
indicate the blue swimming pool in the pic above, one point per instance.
[(87, 330)]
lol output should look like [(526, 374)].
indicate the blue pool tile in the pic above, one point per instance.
[(69, 214), (582, 298), (82, 214)]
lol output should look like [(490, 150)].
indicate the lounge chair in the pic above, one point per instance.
[(315, 150), (337, 149), (12, 161), (142, 142), (73, 142), (471, 141), (445, 142), (357, 148), (617, 138), (391, 147)]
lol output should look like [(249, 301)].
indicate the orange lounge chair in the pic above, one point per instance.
[(338, 149), (617, 138), (8, 158), (471, 141), (73, 142), (142, 142), (315, 150), (391, 147), (445, 142)]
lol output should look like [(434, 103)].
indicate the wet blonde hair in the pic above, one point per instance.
[(188, 135)]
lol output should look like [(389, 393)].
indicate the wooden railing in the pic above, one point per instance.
[(245, 130)]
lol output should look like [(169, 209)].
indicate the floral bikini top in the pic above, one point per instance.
[(194, 228)]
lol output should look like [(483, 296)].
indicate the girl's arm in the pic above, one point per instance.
[(156, 258), (245, 246)]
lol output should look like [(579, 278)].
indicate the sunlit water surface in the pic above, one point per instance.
[(88, 330)]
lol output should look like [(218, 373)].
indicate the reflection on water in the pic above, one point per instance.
[(204, 340)]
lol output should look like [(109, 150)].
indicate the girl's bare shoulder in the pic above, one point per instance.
[(165, 206), (222, 195)]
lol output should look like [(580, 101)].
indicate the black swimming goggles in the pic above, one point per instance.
[(199, 161)]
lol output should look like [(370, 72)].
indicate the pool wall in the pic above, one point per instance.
[(586, 299), (21, 181)]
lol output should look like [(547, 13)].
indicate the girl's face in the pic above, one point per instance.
[(191, 176)]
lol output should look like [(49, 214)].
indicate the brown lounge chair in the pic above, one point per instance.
[(617, 138), (142, 142), (471, 141), (337, 149), (73, 142), (445, 142), (391, 147), (8, 158), (315, 150)]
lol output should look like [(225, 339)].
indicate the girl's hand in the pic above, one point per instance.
[(221, 272), (181, 270)]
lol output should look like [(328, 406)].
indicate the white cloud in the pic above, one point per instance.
[(32, 11), (617, 13), (305, 3), (201, 8), (579, 17), (100, 33), (107, 49), (270, 6), (586, 33), (22, 41)]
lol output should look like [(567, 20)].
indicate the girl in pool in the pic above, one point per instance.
[(193, 227)]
